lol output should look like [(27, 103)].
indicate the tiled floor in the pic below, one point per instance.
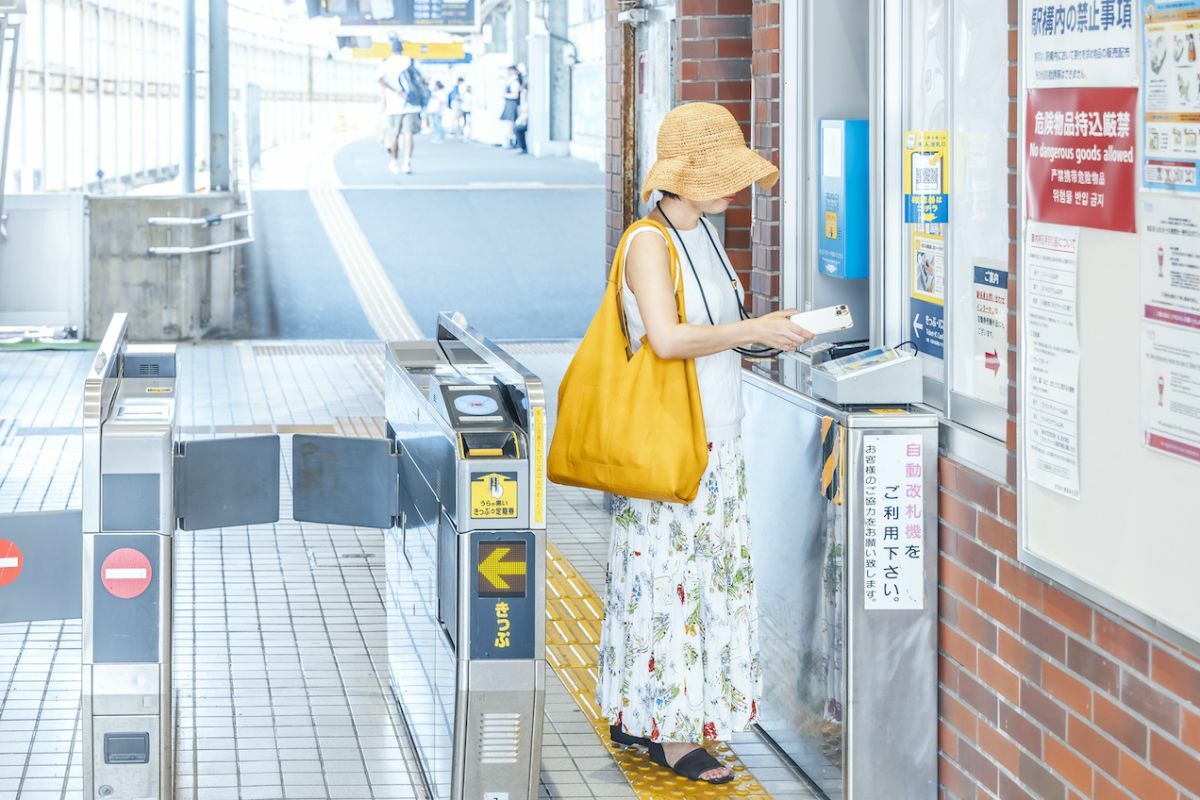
[(281, 687)]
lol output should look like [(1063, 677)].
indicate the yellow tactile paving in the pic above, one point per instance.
[(573, 613)]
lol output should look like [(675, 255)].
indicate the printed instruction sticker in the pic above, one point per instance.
[(1171, 260), (894, 523), (926, 176), (494, 495), (1171, 390), (990, 363), (1050, 382)]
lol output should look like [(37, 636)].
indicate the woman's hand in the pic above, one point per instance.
[(777, 330)]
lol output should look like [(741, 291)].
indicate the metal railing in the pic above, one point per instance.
[(11, 12), (200, 222)]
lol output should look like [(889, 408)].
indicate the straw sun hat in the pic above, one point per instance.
[(702, 156)]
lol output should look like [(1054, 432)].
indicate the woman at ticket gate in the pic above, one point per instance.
[(679, 661)]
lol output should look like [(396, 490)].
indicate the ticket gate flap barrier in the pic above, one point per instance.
[(110, 563), (458, 484), (847, 591), (41, 555)]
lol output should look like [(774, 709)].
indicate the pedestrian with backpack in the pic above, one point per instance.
[(405, 95)]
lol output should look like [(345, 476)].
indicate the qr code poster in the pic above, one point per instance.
[(926, 177)]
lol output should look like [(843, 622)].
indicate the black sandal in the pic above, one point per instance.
[(691, 765), (618, 736)]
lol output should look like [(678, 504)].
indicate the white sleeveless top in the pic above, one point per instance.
[(719, 375)]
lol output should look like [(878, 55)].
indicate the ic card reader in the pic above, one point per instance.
[(882, 376)]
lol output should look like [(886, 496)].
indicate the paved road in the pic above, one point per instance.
[(514, 242)]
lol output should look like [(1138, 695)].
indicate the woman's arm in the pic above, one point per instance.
[(648, 270)]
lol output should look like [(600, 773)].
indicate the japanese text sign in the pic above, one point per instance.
[(1074, 43), (893, 522), (1080, 160), (926, 172)]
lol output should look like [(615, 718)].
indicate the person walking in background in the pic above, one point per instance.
[(436, 109), (512, 102), (405, 95), (466, 103), (454, 105), (521, 124)]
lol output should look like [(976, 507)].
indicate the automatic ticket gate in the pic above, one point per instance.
[(460, 484), (139, 483)]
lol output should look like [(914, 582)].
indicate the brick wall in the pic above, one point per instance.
[(764, 67), (1042, 693)]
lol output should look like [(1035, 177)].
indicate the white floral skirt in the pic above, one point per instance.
[(679, 644)]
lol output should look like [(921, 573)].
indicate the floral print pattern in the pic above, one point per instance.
[(679, 655)]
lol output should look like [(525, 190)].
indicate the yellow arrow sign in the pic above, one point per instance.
[(493, 568)]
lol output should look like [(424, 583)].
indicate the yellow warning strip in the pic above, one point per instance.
[(573, 613), (380, 301)]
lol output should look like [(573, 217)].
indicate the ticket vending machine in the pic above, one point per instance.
[(139, 483), (459, 484)]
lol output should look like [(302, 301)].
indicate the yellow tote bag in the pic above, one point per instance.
[(629, 423)]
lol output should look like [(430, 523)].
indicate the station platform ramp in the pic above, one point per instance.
[(280, 636)]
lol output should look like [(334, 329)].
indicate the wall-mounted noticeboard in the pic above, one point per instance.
[(1109, 305)]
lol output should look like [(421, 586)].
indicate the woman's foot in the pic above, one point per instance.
[(691, 761)]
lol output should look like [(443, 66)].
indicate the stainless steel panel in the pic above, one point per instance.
[(892, 736), (798, 547), (126, 689), (499, 724), (340, 480), (99, 387), (125, 781)]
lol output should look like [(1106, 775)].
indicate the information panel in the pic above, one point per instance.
[(448, 14)]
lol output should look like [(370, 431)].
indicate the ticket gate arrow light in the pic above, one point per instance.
[(493, 568)]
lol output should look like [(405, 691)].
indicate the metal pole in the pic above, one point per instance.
[(187, 165), (218, 95)]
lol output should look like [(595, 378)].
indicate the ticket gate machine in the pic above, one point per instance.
[(139, 484), (460, 485)]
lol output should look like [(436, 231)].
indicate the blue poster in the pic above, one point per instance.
[(928, 327)]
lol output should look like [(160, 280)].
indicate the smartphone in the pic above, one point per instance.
[(825, 320)]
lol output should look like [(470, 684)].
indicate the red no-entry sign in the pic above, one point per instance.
[(125, 573), (11, 562)]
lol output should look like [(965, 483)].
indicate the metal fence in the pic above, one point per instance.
[(97, 97)]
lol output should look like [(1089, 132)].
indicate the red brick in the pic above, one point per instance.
[(1107, 790), (1025, 661), (728, 69), (976, 626), (1021, 730), (1135, 776), (1067, 611), (947, 739), (957, 579), (999, 747), (954, 781), (739, 7), (1179, 765), (997, 535), (956, 513), (1093, 745), (1038, 705), (1008, 504), (697, 8), (1067, 690), (997, 676), (1152, 704), (1124, 644), (955, 713), (1176, 675), (999, 606), (969, 484), (698, 91), (1069, 766), (1042, 635), (977, 696), (698, 48), (977, 765), (1009, 790), (1119, 724), (725, 27), (1093, 666), (1021, 584), (1191, 729), (734, 48), (1044, 784), (977, 558)]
